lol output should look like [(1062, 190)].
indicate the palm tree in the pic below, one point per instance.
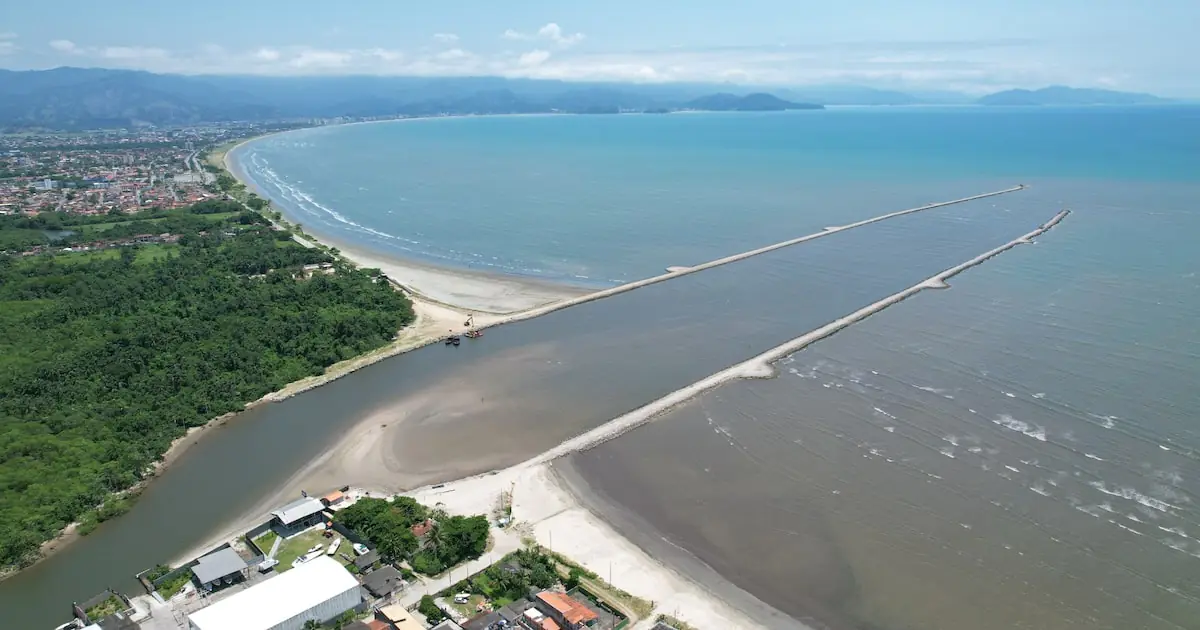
[(435, 538)]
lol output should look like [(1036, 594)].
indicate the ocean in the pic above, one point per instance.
[(1017, 452)]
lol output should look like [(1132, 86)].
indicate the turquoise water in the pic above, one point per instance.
[(607, 199), (1019, 451)]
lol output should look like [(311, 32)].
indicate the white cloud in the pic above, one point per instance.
[(7, 48), (133, 53), (533, 58), (8, 35), (896, 66), (550, 32), (445, 38), (454, 54), (554, 33), (320, 59)]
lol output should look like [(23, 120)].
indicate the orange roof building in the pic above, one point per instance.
[(333, 498), (420, 529), (567, 609)]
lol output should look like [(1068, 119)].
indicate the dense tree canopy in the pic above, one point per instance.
[(104, 362)]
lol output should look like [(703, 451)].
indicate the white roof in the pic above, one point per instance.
[(298, 509), (278, 599)]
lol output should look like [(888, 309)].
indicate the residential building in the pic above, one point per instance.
[(318, 590), (447, 625), (382, 583), (299, 514), (223, 565), (400, 618), (367, 561), (565, 610)]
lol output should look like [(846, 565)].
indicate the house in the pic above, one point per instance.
[(382, 583), (483, 621), (299, 514), (400, 618), (533, 619), (366, 561), (565, 610), (512, 612), (223, 565), (447, 625)]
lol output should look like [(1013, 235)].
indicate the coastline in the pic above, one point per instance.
[(596, 532)]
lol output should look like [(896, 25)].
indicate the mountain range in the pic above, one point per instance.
[(87, 98)]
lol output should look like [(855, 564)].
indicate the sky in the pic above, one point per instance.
[(977, 46)]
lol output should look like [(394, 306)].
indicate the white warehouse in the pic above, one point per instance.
[(320, 589)]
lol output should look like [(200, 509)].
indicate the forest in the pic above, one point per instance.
[(105, 359)]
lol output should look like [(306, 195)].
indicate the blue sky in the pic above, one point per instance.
[(975, 46)]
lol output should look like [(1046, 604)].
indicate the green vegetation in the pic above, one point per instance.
[(265, 541), (386, 524), (105, 359), (157, 572), (451, 541), (511, 578), (674, 622), (430, 610), (172, 586), (105, 608)]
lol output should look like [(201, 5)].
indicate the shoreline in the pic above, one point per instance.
[(433, 317), (594, 533)]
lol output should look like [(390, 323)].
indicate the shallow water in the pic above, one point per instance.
[(1016, 452)]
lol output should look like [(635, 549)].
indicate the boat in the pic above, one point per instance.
[(453, 340), (473, 334)]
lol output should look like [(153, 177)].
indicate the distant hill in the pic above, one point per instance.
[(757, 102), (1062, 95)]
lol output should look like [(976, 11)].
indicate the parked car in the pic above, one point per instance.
[(462, 598)]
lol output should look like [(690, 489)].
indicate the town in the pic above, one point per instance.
[(353, 561)]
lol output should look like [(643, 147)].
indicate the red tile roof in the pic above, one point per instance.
[(571, 610), (420, 529)]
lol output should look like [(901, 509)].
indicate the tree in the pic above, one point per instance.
[(430, 610), (312, 624)]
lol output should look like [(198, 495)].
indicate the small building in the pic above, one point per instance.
[(420, 529), (382, 583), (318, 590), (483, 621), (223, 565), (512, 612), (335, 498), (565, 610), (447, 625), (299, 514), (366, 561), (400, 618)]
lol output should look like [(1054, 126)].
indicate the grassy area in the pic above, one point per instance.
[(265, 541), (297, 546), (105, 608), (674, 622), (145, 254), (95, 228), (471, 608), (172, 586)]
